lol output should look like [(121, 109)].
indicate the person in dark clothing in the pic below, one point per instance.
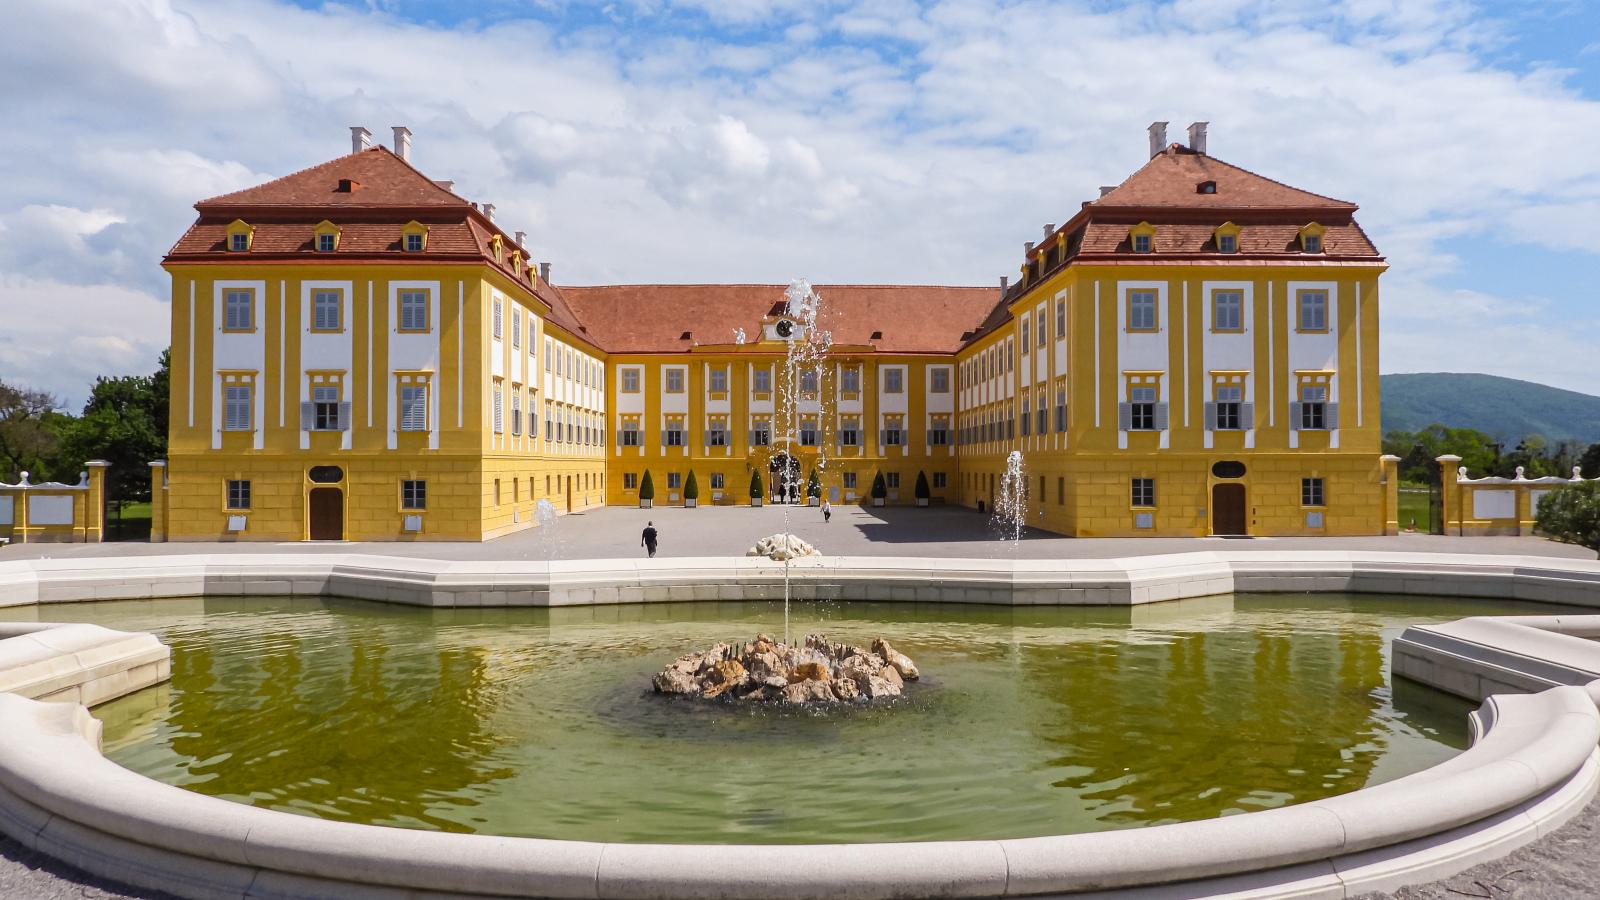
[(648, 538)]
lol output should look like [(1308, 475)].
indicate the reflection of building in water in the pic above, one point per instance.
[(1286, 713), (333, 718)]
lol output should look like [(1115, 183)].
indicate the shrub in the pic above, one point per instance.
[(647, 488), (1571, 513), (755, 484), (813, 485), (880, 490), (922, 486), (691, 488)]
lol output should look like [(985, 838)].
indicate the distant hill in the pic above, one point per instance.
[(1503, 408)]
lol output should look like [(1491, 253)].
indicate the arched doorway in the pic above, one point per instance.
[(326, 514), (784, 477), (1228, 513)]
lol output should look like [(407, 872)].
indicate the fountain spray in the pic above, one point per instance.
[(806, 353)]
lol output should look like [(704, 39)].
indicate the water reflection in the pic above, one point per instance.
[(538, 722)]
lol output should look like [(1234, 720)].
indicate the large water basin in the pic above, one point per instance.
[(541, 722)]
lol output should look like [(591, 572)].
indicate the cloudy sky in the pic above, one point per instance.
[(837, 140)]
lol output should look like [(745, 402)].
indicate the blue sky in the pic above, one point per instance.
[(837, 140)]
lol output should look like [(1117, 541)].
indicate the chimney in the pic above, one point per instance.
[(1106, 189), (1049, 230), (1027, 247), (544, 272), (1197, 137), (447, 185), (1005, 284), (520, 239), (488, 211), (1158, 138), (360, 139), (402, 142)]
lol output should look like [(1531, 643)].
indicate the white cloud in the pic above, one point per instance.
[(873, 140), (59, 336)]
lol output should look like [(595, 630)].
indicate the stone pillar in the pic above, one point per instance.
[(1390, 466), (94, 507), (1450, 492), (158, 501)]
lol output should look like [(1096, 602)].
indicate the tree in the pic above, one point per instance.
[(691, 488), (125, 424), (28, 431), (923, 492), (813, 485), (1418, 451), (755, 484), (647, 488), (1571, 513), (880, 490), (1589, 462)]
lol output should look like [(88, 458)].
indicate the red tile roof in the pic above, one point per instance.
[(384, 179), (651, 318), (1178, 238), (1171, 179)]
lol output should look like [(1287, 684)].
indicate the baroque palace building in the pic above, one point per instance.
[(360, 353)]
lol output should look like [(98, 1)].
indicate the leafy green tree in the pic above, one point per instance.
[(813, 485), (29, 431), (755, 484), (923, 492), (1419, 449), (1571, 513), (125, 424), (880, 489), (691, 488), (1589, 462), (647, 488)]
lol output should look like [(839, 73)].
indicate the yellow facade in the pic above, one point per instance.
[(390, 365)]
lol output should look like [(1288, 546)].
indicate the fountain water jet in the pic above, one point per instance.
[(1011, 504)]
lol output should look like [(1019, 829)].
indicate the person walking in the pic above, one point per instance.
[(648, 538), (827, 512)]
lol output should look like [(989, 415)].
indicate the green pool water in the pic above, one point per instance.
[(540, 722)]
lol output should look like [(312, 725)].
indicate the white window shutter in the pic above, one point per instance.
[(1211, 416), (344, 416), (308, 416), (1161, 416), (1124, 416), (1294, 415), (1331, 416), (1247, 416)]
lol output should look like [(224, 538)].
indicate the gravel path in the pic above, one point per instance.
[(26, 875)]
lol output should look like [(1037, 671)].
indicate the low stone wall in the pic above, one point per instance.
[(1484, 655), (82, 664)]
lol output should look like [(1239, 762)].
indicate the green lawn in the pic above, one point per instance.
[(134, 525), (1413, 505)]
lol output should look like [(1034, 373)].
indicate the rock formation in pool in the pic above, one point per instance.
[(780, 547), (765, 671)]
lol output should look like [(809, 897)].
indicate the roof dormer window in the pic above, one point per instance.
[(1142, 237), (325, 237), (414, 237), (1311, 238), (1206, 187), (497, 248), (1227, 238), (240, 236)]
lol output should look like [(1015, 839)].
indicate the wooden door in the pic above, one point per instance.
[(569, 493), (327, 514), (1228, 513)]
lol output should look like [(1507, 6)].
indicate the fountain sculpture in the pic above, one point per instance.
[(819, 671)]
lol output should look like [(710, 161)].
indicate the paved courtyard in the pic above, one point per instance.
[(613, 532)]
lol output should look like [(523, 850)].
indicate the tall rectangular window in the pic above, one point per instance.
[(1313, 407), (325, 309), (413, 494), (325, 408), (1061, 318), (498, 323), (719, 381), (413, 407), (808, 432), (1040, 329), (939, 432), (516, 410), (238, 309), (673, 436), (940, 377), (1061, 410), (1230, 402), (630, 381), (1142, 406), (1227, 243), (1311, 492), (1227, 311), (237, 408), (760, 433), (1313, 311), (547, 355), (630, 434), (674, 480), (1141, 310), (1144, 492), (238, 494), (1041, 412), (761, 381), (850, 380), (850, 481), (413, 311), (717, 434), (674, 381), (892, 436), (1026, 332), (516, 329), (893, 381), (1141, 243), (630, 481), (808, 382), (499, 409)]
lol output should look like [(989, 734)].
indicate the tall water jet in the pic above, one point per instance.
[(803, 370), (1011, 504)]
